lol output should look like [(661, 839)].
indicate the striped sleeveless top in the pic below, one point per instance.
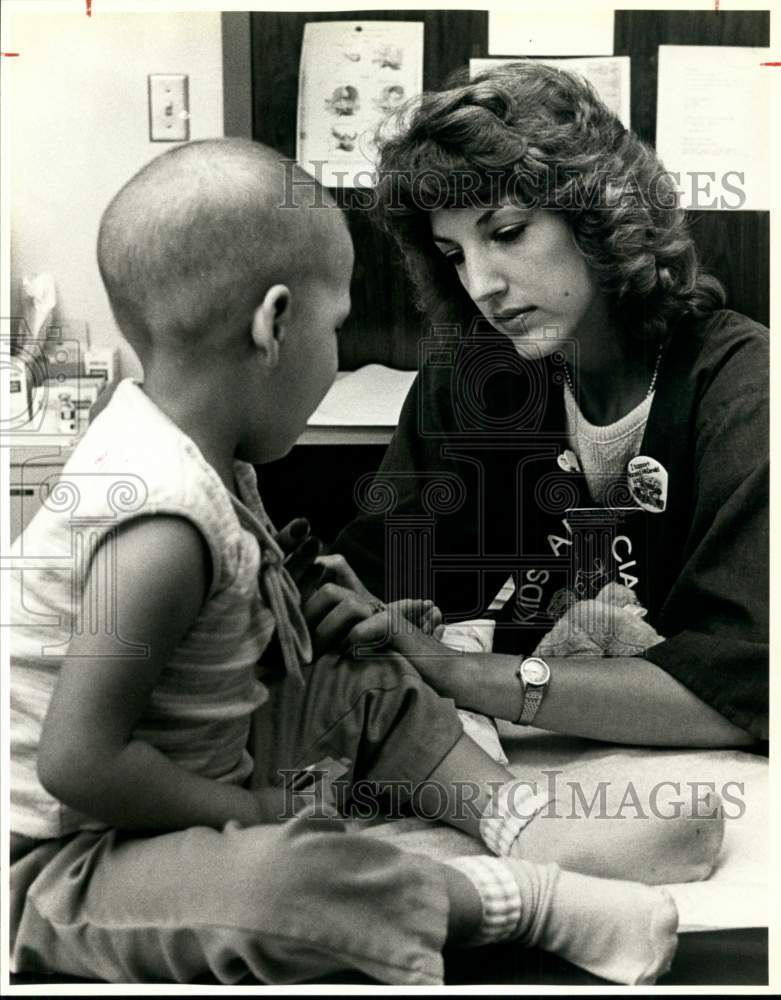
[(132, 462)]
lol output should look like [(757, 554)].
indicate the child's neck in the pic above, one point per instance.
[(193, 403)]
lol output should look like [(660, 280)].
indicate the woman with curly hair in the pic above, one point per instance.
[(589, 412)]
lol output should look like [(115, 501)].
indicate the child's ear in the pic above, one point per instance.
[(269, 324)]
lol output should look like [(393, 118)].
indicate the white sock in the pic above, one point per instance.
[(512, 807), (500, 897), (620, 931)]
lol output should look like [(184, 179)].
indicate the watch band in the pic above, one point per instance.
[(533, 692), (532, 699)]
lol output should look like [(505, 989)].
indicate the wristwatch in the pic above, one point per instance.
[(534, 675)]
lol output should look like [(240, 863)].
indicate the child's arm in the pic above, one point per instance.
[(87, 757)]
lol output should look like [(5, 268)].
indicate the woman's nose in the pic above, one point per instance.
[(484, 282)]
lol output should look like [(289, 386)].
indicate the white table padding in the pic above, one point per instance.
[(736, 893)]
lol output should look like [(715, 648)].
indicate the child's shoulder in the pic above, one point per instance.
[(134, 461), (133, 439)]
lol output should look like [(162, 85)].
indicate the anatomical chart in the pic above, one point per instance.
[(353, 76)]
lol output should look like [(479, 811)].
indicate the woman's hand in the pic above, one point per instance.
[(337, 570), (334, 611), (411, 628)]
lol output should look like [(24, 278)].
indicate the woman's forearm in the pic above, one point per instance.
[(620, 699)]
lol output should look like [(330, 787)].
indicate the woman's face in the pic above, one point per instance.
[(522, 269)]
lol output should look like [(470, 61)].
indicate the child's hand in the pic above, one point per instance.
[(310, 569), (271, 803), (337, 570), (301, 555), (334, 612)]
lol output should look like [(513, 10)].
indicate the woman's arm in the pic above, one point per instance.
[(715, 618), (87, 756), (622, 699), (618, 699)]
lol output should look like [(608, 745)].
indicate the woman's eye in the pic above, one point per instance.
[(455, 257), (509, 234)]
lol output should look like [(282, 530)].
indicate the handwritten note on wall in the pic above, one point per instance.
[(713, 125)]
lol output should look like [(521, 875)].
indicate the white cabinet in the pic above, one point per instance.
[(34, 470)]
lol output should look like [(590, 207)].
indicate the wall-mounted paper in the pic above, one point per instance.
[(712, 124), (352, 75), (576, 31), (609, 75)]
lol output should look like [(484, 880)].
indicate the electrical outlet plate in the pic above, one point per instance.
[(169, 116)]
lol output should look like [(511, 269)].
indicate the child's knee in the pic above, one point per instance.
[(388, 671), (294, 860), (339, 683)]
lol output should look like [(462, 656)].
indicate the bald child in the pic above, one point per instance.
[(147, 844)]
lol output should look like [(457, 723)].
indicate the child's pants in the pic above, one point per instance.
[(281, 902)]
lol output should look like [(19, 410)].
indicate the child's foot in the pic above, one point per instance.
[(669, 843), (621, 931)]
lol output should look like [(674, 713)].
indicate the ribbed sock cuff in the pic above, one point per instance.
[(511, 809), (500, 897)]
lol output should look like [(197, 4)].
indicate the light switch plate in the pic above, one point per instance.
[(169, 114)]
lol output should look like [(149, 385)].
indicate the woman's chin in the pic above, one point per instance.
[(535, 345)]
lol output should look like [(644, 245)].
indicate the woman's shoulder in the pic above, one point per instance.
[(724, 349), (725, 330)]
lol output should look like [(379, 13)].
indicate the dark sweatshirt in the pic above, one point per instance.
[(470, 492)]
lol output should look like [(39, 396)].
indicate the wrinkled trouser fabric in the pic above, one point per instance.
[(281, 902)]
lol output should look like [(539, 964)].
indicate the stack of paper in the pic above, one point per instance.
[(372, 396)]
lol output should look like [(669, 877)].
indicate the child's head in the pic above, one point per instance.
[(228, 264)]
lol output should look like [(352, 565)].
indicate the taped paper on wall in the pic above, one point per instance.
[(712, 125), (576, 31), (608, 75)]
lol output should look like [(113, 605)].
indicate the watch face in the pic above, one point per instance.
[(535, 671)]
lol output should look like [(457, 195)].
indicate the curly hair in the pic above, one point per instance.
[(542, 137)]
